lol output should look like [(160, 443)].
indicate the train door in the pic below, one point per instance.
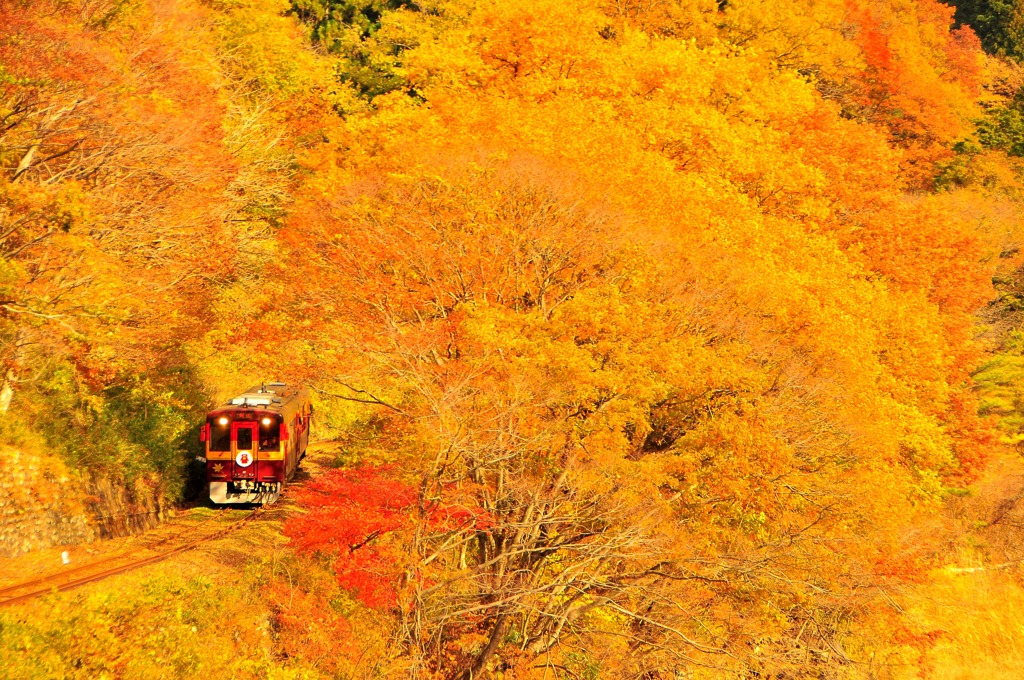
[(244, 435)]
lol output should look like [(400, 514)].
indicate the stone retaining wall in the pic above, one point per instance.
[(43, 504)]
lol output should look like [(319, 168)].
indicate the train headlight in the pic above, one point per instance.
[(266, 421), (223, 420)]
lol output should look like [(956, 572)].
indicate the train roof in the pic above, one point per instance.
[(273, 396)]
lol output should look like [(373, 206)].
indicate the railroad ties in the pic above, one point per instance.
[(127, 560), (97, 570)]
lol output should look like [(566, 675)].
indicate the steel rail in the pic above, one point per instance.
[(104, 560), (113, 571)]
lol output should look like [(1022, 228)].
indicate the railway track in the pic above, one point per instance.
[(106, 567)]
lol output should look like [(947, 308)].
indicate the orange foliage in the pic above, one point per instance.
[(650, 298), (613, 277), (308, 627), (114, 200)]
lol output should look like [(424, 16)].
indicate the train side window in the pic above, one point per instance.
[(220, 435), (270, 435)]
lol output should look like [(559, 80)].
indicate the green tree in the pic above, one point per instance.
[(350, 28), (999, 24)]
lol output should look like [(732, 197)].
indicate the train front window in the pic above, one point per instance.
[(244, 439), (270, 434), (220, 434)]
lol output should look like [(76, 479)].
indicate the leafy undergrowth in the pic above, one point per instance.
[(978, 618), (243, 606), (248, 606)]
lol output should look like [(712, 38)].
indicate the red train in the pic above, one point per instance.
[(255, 441)]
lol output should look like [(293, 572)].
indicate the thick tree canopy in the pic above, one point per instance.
[(663, 338)]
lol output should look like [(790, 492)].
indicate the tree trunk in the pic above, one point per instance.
[(6, 392), (26, 161), (474, 671)]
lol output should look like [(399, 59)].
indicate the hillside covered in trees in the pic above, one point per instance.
[(662, 338)]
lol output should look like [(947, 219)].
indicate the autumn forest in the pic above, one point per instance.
[(654, 339)]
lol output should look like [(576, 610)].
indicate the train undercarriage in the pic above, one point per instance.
[(244, 491)]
